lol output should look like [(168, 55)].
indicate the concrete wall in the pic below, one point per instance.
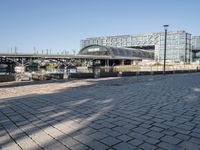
[(47, 76), (124, 74), (82, 75), (7, 78), (108, 74)]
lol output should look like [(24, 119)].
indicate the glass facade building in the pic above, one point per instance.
[(178, 44), (195, 42), (196, 47)]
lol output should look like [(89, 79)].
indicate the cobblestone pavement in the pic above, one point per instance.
[(151, 112)]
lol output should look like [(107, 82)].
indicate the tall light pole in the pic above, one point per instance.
[(165, 47)]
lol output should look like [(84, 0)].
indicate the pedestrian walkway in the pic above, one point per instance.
[(149, 112)]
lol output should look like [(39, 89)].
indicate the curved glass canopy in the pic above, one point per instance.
[(115, 51)]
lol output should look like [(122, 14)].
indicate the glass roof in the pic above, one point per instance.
[(115, 51)]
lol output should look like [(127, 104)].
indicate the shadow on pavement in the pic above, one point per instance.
[(82, 117)]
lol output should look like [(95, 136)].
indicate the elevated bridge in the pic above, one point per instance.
[(13, 60), (64, 57), (95, 54)]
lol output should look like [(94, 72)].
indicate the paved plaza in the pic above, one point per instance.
[(147, 112)]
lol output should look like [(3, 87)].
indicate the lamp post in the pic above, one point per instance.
[(165, 47)]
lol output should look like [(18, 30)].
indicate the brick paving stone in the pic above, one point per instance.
[(138, 136), (6, 142), (53, 146), (121, 130), (88, 130), (124, 137), (158, 120), (79, 146), (180, 121), (189, 145), (147, 146), (161, 125), (144, 125), (141, 130), (129, 126), (12, 146), (135, 122), (96, 126), (195, 140), (160, 148), (170, 123), (110, 132), (152, 141), (108, 125), (83, 138), (42, 139), (24, 141), (97, 145), (68, 141), (120, 123), (182, 136), (156, 129), (98, 135), (136, 142), (168, 132), (155, 134), (185, 127), (179, 130), (110, 141), (55, 133), (27, 143), (194, 134), (168, 146), (171, 139), (124, 146), (197, 130)]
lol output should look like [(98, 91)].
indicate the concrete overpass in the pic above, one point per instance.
[(13, 60), (66, 57)]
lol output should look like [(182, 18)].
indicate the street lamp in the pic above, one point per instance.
[(165, 47)]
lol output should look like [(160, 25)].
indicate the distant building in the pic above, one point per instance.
[(196, 47), (119, 55), (179, 45)]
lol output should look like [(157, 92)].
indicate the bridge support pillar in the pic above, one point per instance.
[(122, 62), (132, 62), (107, 62)]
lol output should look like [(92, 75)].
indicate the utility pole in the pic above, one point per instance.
[(34, 50), (165, 46), (74, 52), (15, 50)]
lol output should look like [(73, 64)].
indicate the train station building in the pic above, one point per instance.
[(181, 46), (109, 56)]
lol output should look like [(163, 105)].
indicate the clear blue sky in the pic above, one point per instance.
[(61, 24)]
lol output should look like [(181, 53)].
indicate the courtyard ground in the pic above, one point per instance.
[(146, 112)]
